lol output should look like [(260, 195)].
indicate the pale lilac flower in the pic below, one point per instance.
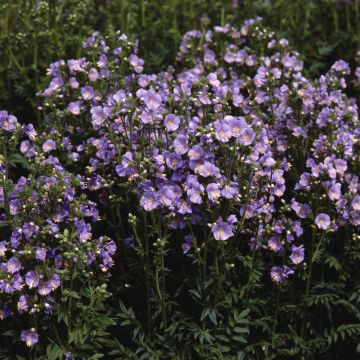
[(301, 210), (213, 192), (13, 265), (279, 273), (246, 137), (181, 144), (149, 201), (87, 92), (174, 161), (30, 337), (195, 193), (119, 96), (44, 288), (74, 84), (222, 230), (49, 145), (207, 169), (98, 116), (196, 153), (355, 203), (23, 303), (187, 244), (56, 84), (297, 254), (172, 122), (237, 125), (32, 279), (74, 107), (335, 192), (322, 221), (136, 63), (222, 131), (54, 281), (275, 244), (3, 248), (152, 100), (93, 74), (340, 165)]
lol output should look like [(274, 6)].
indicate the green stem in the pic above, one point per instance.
[(313, 255), (277, 310), (58, 338), (147, 275), (163, 287)]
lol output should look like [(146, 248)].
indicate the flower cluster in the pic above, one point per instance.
[(47, 232), (222, 137), (234, 145)]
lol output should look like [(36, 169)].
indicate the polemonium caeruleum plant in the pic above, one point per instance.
[(225, 178), (50, 254)]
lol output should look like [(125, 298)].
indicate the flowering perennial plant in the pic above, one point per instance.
[(47, 233), (231, 152)]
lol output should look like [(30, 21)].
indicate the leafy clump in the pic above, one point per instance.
[(229, 184)]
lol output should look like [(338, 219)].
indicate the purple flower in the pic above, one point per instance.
[(74, 107), (246, 137), (222, 131), (98, 116), (301, 210), (195, 192), (237, 125), (174, 161), (49, 145), (30, 337), (230, 191), (23, 303), (32, 279), (44, 288), (129, 242), (30, 131), (355, 204), (341, 66), (56, 84), (7, 122), (213, 192), (222, 230), (279, 273), (73, 83), (335, 192), (136, 63), (172, 122), (340, 165), (29, 229), (149, 201), (119, 96), (54, 281), (275, 244), (207, 169), (93, 74), (25, 146), (297, 254), (181, 144), (196, 153), (4, 312), (13, 265), (87, 92), (2, 248), (152, 100), (322, 221), (187, 244)]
